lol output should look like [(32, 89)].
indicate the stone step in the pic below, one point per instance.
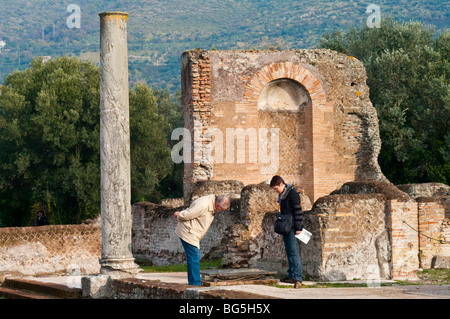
[(45, 288), (10, 293)]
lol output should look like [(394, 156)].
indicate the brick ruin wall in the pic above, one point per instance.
[(433, 201), (361, 234), (364, 230), (50, 250), (243, 235), (154, 237), (328, 140), (155, 241), (367, 230), (318, 101), (376, 230)]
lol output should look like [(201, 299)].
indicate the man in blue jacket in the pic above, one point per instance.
[(289, 203)]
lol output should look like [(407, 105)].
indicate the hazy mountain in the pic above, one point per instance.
[(160, 30)]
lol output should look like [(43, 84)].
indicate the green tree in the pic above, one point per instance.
[(49, 142), (150, 152), (408, 71), (171, 108)]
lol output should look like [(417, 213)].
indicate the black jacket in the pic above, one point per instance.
[(290, 203)]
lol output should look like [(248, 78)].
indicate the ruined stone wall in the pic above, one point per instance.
[(349, 238), (403, 223), (252, 242), (433, 204), (243, 236), (312, 106), (153, 233), (361, 231), (434, 228), (154, 237), (250, 239), (50, 250), (364, 230)]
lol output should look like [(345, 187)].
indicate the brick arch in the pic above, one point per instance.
[(318, 118), (286, 70)]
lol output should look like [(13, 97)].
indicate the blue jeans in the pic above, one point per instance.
[(295, 270), (193, 263)]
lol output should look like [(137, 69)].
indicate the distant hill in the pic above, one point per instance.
[(160, 30)]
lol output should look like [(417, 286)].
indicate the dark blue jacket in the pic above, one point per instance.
[(290, 203)]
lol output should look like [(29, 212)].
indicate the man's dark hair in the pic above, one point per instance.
[(276, 181)]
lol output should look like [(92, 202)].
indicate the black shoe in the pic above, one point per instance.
[(289, 280)]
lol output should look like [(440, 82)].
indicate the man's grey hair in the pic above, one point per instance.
[(223, 201)]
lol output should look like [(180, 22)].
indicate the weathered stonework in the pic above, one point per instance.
[(50, 250), (251, 242), (154, 237), (364, 230), (115, 179), (426, 190), (349, 236), (374, 230), (433, 202), (230, 188), (318, 101)]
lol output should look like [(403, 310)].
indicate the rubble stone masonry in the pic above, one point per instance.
[(50, 250), (363, 230)]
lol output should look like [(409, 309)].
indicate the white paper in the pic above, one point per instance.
[(304, 236)]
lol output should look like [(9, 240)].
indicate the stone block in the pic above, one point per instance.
[(440, 262), (97, 287)]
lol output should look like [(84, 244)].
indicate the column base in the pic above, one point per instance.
[(119, 267)]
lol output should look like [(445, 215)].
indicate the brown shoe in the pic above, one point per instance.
[(290, 280), (298, 284)]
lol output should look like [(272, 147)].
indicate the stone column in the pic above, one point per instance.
[(117, 258)]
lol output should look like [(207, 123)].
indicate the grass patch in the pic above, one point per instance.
[(204, 264), (435, 276)]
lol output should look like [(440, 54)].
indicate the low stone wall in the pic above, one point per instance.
[(350, 239), (364, 230), (230, 188), (434, 229), (433, 205), (252, 238), (436, 190), (360, 232), (252, 242), (50, 250), (375, 230), (147, 289), (154, 237)]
